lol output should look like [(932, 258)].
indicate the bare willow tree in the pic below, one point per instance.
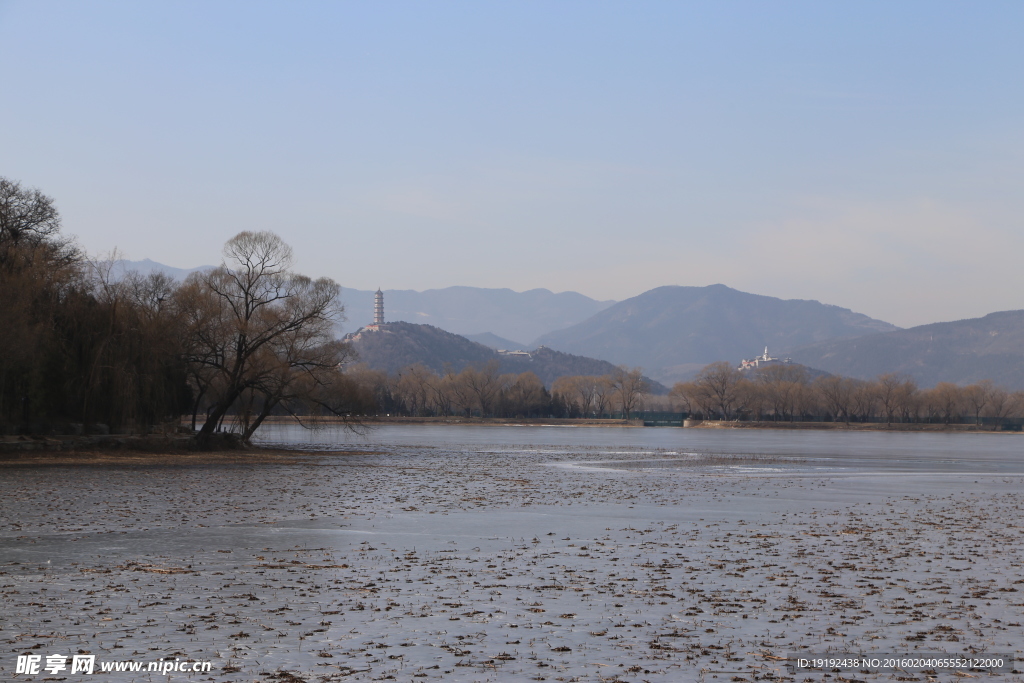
[(298, 372), (976, 397), (782, 387), (721, 382), (413, 387), (524, 395), (254, 326), (586, 395), (440, 396), (836, 394), (483, 384), (460, 396), (603, 395), (1002, 405), (894, 392), (629, 387), (945, 401)]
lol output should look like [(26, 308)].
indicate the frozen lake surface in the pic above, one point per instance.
[(524, 553)]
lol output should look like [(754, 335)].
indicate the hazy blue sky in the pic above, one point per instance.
[(866, 154)]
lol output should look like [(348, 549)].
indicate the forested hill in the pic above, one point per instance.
[(673, 331), (398, 345), (963, 352)]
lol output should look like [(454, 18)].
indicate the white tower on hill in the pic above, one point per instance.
[(378, 307)]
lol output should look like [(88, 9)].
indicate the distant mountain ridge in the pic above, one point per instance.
[(396, 346), (962, 351), (503, 313), (147, 266), (475, 310), (673, 331)]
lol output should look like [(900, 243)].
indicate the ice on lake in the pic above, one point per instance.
[(516, 553)]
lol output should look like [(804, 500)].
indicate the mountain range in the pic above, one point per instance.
[(673, 331), (475, 310), (147, 266), (503, 314), (962, 351)]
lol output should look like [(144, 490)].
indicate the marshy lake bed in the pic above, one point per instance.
[(419, 553)]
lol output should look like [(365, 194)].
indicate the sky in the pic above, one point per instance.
[(864, 154)]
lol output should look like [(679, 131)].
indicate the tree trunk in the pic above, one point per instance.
[(268, 407)]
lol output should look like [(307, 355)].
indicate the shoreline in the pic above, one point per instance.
[(843, 426), (503, 421), (689, 424), (158, 447)]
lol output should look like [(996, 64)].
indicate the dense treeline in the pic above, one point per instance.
[(74, 346), (787, 392), (82, 349), (482, 390)]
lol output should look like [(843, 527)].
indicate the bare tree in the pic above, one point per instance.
[(564, 390), (26, 215), (864, 399), (484, 383), (372, 388), (603, 392), (440, 394), (699, 397), (413, 388), (629, 387), (782, 386), (721, 381), (298, 372), (752, 398), (681, 398), (976, 398), (524, 395), (585, 389), (248, 309), (946, 401), (894, 391), (461, 394), (837, 394), (1001, 405), (910, 401), (1016, 401)]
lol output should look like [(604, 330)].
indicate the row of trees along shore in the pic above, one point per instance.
[(787, 392), (84, 347), (481, 390), (718, 392)]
